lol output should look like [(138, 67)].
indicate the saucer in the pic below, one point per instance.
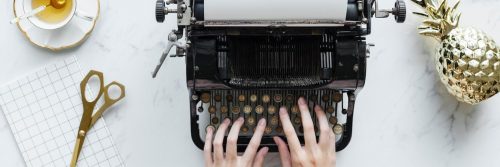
[(72, 34)]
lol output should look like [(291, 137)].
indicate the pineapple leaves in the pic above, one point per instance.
[(440, 17)]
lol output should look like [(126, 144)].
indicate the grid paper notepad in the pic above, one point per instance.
[(44, 111)]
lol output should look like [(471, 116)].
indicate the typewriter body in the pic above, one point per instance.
[(251, 67)]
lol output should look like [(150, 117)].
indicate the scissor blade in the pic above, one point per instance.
[(77, 149)]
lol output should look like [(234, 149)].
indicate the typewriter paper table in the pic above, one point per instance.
[(403, 116)]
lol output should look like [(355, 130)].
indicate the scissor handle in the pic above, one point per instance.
[(83, 86), (108, 101)]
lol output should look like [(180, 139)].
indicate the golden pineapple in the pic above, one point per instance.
[(467, 60)]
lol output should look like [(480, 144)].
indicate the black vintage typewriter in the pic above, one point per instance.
[(249, 58)]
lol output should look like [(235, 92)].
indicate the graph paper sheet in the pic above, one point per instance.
[(44, 111)]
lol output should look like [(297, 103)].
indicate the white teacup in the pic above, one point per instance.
[(27, 6)]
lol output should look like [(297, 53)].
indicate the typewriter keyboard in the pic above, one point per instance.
[(216, 105)]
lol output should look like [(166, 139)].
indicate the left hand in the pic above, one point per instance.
[(251, 158)]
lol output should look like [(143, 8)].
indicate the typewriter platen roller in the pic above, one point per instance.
[(248, 59)]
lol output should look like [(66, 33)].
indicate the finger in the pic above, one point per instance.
[(324, 128), (207, 151), (232, 139), (291, 136), (333, 143), (286, 160), (255, 141), (309, 134), (259, 158), (218, 140)]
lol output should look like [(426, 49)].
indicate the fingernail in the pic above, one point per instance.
[(265, 149), (262, 122), (227, 121), (210, 129), (283, 111), (240, 119), (302, 101), (317, 107)]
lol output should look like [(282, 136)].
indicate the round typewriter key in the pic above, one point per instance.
[(313, 97), (268, 130), (253, 98), (295, 109), (244, 129), (215, 120), (250, 121), (333, 120), (338, 129), (217, 98), (330, 109), (259, 109), (277, 98), (297, 120), (247, 109), (229, 98), (279, 129), (301, 129), (205, 97), (241, 98), (289, 98), (344, 111), (337, 97), (223, 109), (266, 99), (236, 110), (274, 120), (271, 109), (325, 98), (212, 109)]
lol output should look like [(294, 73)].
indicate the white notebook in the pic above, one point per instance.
[(44, 110)]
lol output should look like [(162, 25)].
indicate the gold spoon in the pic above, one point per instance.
[(58, 4)]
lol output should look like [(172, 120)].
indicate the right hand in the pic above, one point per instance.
[(318, 154)]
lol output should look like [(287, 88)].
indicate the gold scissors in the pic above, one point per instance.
[(89, 117)]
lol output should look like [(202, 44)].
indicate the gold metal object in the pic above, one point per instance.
[(72, 45), (212, 109), (247, 109), (277, 98), (229, 98), (274, 120), (297, 120), (223, 109), (279, 129), (215, 120), (253, 98), (467, 59), (235, 110), (268, 130), (89, 118), (259, 109), (333, 120), (325, 98), (244, 129), (271, 109), (330, 109), (250, 121), (217, 98), (266, 99), (289, 98), (205, 97), (58, 4), (338, 129)]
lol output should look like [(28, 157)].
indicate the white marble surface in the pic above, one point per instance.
[(403, 116)]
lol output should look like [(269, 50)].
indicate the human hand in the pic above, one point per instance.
[(249, 159), (318, 154)]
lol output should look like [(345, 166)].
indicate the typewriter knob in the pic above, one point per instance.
[(160, 11), (399, 11)]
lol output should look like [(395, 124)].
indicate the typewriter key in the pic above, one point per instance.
[(289, 98), (205, 97), (212, 109), (266, 99), (247, 109), (338, 129), (223, 109), (268, 130), (333, 120), (279, 129), (215, 120), (244, 129), (313, 97), (301, 129), (337, 97), (271, 109), (277, 98), (217, 98), (274, 120), (241, 98), (297, 120), (325, 98), (250, 121), (229, 98), (259, 109), (253, 98), (236, 110), (295, 109), (344, 111), (330, 109)]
